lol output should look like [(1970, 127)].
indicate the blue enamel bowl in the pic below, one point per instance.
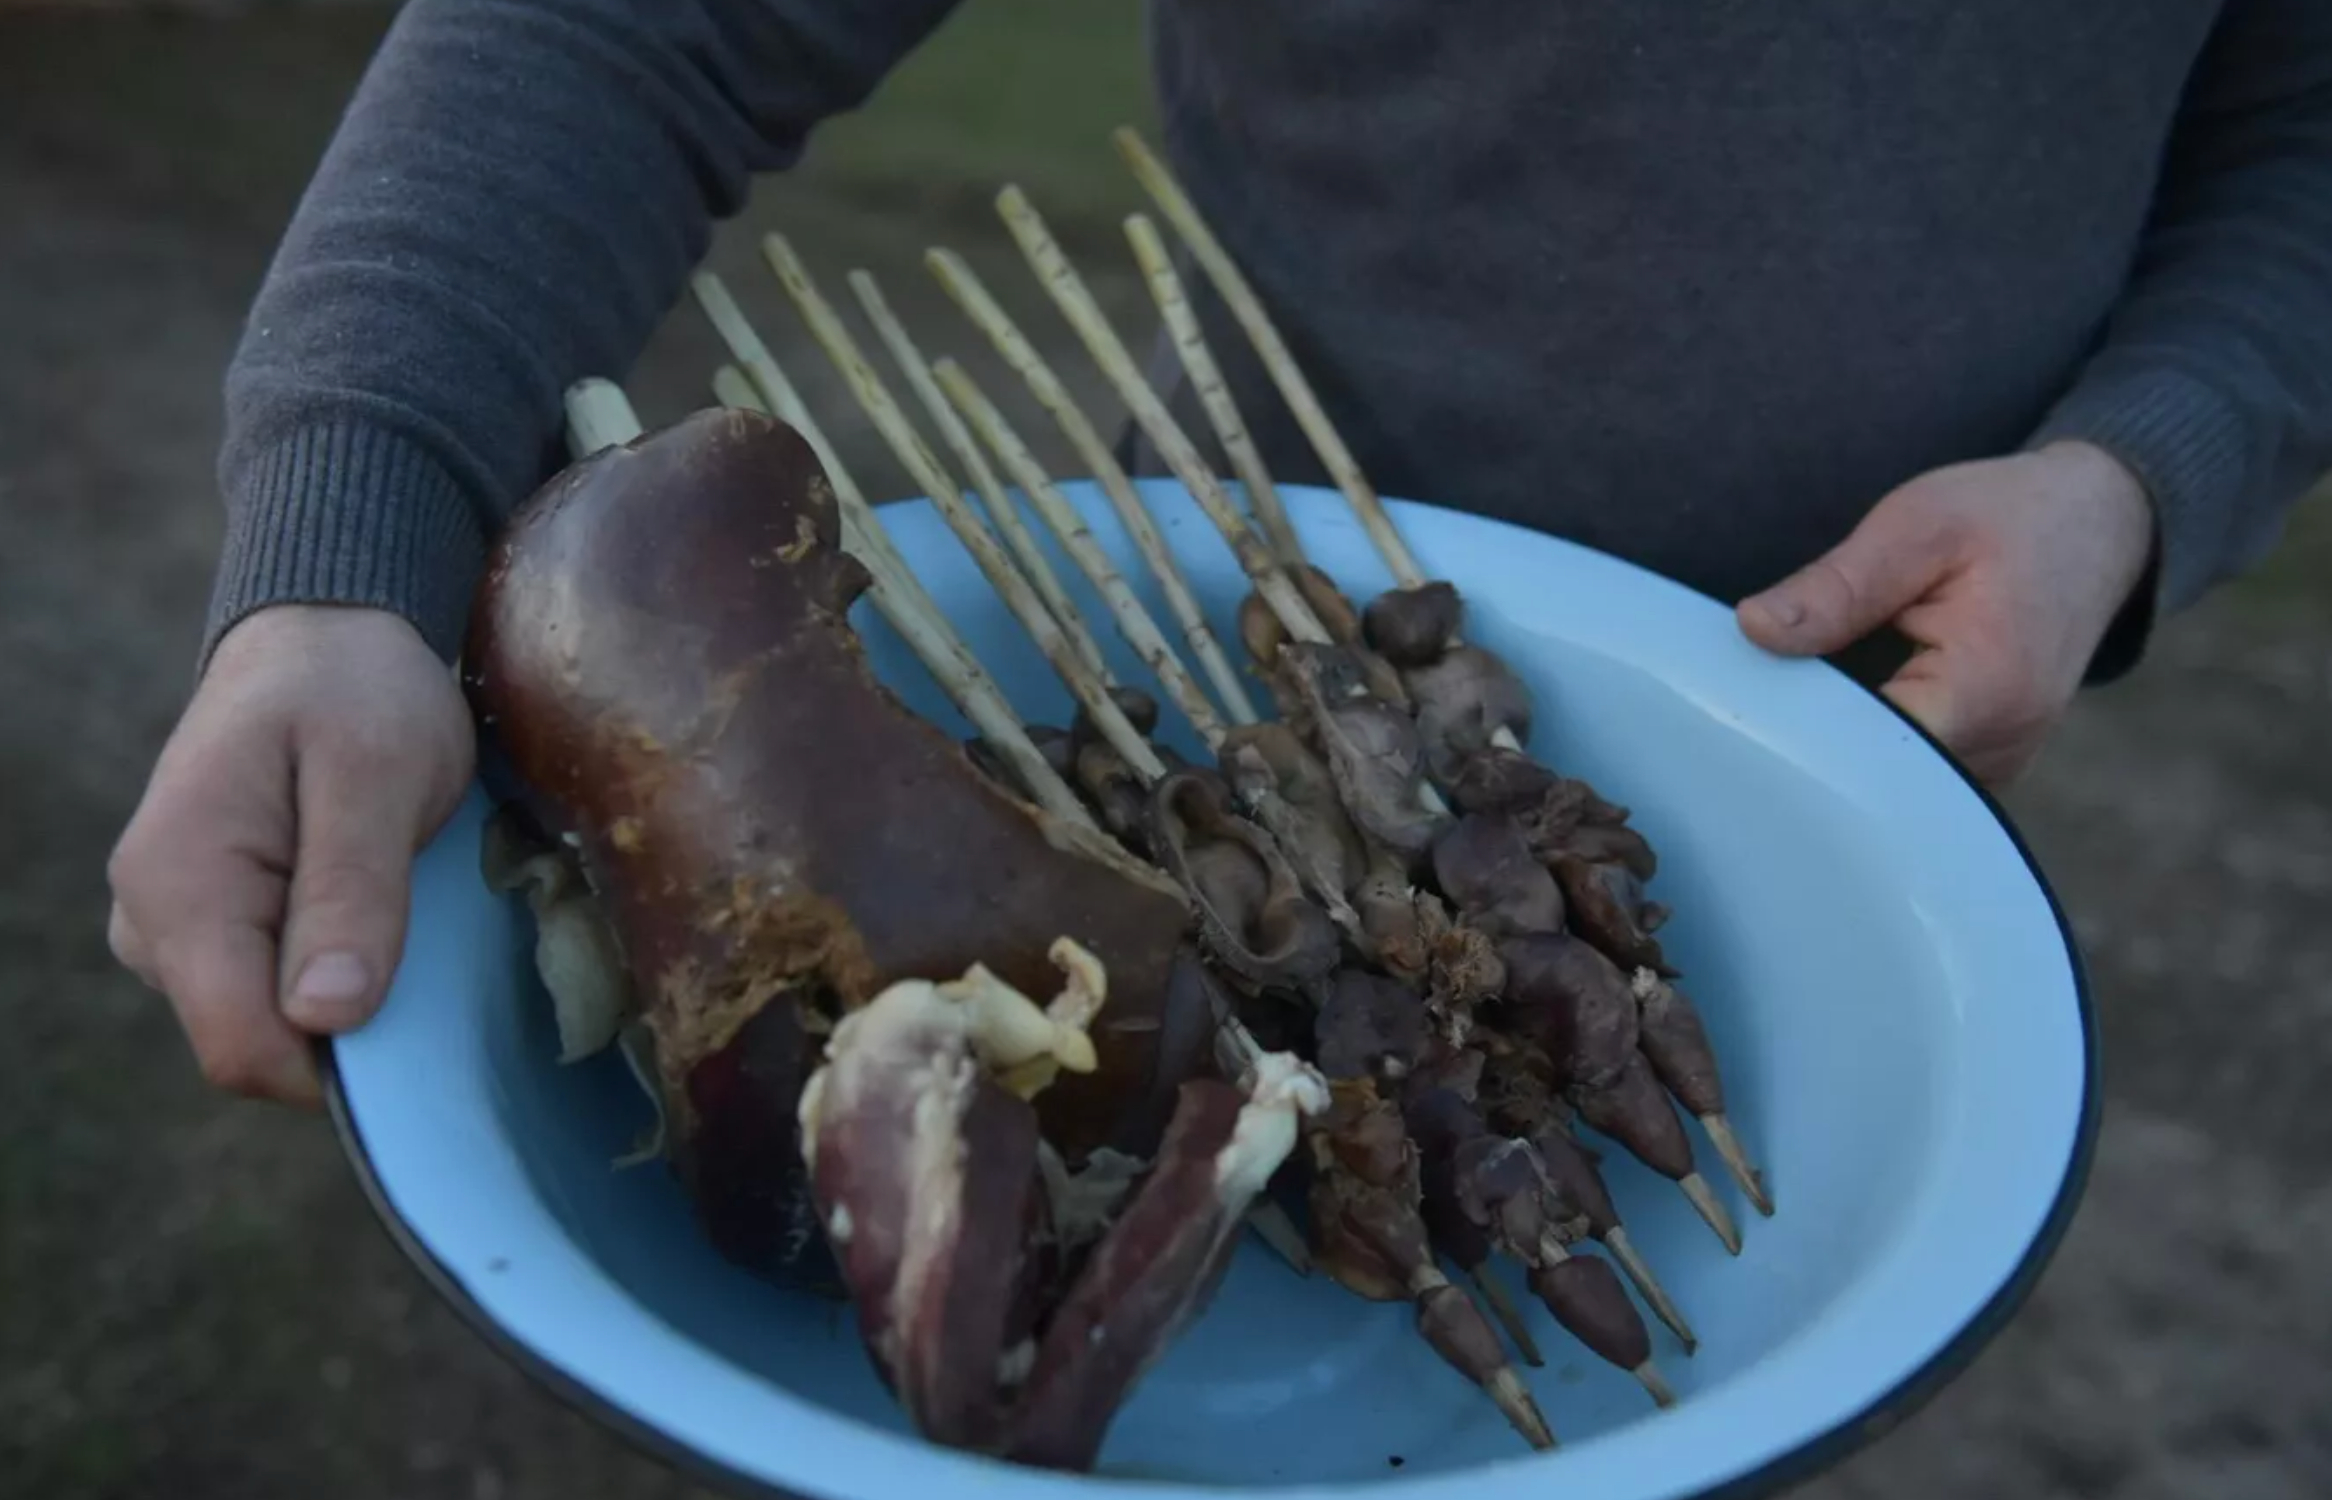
[(1895, 996)]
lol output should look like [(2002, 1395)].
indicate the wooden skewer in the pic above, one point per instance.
[(1647, 1374), (947, 497), (731, 387), (599, 415), (1077, 304), (970, 295), (1247, 308), (778, 398), (898, 595), (1704, 1202), (1214, 393), (1006, 516), (1084, 313), (1736, 1159), (1134, 621), (1631, 1260)]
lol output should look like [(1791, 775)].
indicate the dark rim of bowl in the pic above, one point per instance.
[(1815, 1456)]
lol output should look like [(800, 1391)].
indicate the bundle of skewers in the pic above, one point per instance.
[(1371, 980)]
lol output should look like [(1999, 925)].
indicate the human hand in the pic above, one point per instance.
[(262, 883), (2005, 572)]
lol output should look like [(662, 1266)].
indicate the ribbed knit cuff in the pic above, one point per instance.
[(348, 513), (2186, 445)]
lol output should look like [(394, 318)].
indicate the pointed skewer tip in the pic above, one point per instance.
[(1631, 1260), (1737, 1162), (1704, 1198), (1514, 1399)]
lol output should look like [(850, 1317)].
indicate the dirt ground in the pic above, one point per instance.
[(195, 1302)]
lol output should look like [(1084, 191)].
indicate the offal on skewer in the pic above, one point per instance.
[(1520, 1098), (1498, 1187), (1369, 1234), (1253, 913), (1564, 997), (1374, 748), (1600, 864), (1469, 703), (1481, 1190)]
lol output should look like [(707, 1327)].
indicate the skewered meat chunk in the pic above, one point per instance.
[(1369, 1234), (1289, 791), (1372, 749), (1414, 627), (1371, 1027), (1499, 1187), (1572, 1003), (1411, 935), (1485, 867), (1464, 699), (1579, 1009), (1253, 910), (1557, 814), (1676, 1044), (1519, 1098), (1263, 634), (1606, 906)]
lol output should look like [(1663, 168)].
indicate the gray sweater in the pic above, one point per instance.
[(1692, 282)]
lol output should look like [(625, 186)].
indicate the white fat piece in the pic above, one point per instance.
[(576, 952), (1282, 1091), (978, 1015), (582, 966)]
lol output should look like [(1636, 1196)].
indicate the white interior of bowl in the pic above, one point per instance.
[(1891, 996)]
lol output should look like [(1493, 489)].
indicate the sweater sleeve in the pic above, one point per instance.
[(2213, 381), (513, 200)]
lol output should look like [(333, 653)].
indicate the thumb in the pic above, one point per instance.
[(360, 820), (1899, 552)]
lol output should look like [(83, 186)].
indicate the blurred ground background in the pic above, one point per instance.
[(195, 1302)]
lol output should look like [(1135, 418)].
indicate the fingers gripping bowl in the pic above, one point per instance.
[(1450, 1048)]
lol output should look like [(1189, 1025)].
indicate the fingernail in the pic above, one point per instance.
[(331, 991), (1786, 612)]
